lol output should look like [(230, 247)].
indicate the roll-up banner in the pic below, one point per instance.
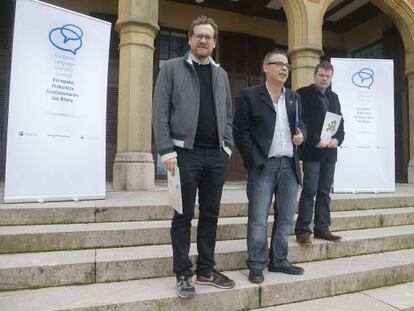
[(57, 106), (366, 160)]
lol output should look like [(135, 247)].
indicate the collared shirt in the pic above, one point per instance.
[(195, 59), (282, 145)]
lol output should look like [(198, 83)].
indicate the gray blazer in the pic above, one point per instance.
[(176, 106)]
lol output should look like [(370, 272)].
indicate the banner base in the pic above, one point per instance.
[(53, 198), (364, 190)]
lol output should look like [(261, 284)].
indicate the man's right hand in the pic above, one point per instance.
[(170, 165), (321, 145)]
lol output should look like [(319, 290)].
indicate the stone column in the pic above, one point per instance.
[(304, 60), (305, 37), (137, 26), (410, 78)]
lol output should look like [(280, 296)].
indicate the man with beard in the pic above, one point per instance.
[(267, 131), (192, 122)]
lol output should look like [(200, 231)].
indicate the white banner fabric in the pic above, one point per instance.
[(366, 160), (57, 107)]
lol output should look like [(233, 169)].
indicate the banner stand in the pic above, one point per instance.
[(366, 158), (56, 135)]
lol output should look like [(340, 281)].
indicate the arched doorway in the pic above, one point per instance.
[(401, 12), (365, 31)]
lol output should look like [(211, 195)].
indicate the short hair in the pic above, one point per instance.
[(269, 55), (203, 20), (324, 65)]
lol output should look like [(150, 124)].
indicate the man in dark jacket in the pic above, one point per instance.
[(267, 129), (318, 157)]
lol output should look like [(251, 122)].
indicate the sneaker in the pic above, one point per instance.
[(216, 279), (185, 287)]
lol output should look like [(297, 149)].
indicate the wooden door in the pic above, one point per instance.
[(233, 52), (241, 56), (112, 95), (393, 48)]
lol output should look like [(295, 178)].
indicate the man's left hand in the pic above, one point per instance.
[(298, 137)]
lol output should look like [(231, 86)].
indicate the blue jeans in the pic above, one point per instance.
[(277, 176), (317, 181)]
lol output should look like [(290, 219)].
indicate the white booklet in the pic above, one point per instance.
[(174, 190), (330, 126)]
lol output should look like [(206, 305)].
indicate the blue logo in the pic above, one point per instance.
[(67, 38), (363, 78)]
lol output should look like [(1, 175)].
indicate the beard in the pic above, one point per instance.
[(201, 51)]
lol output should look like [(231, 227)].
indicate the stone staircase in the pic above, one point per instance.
[(115, 254)]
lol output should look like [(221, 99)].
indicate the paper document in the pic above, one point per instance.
[(330, 126), (174, 190)]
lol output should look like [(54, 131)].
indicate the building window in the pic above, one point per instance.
[(373, 50), (172, 44)]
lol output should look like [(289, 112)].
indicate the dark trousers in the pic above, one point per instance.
[(203, 169), (317, 181)]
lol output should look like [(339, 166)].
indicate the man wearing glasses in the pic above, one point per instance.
[(267, 130), (192, 122)]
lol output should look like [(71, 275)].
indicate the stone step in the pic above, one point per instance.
[(391, 298), (32, 270), (118, 208), (333, 277), (35, 238)]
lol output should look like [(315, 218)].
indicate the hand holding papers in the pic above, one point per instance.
[(174, 190), (330, 126)]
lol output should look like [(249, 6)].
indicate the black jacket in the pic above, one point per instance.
[(254, 124), (313, 115)]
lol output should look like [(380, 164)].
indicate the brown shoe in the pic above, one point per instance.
[(328, 236), (304, 240)]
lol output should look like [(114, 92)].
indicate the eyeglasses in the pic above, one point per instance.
[(200, 37), (280, 64)]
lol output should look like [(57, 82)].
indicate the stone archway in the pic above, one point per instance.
[(305, 18), (401, 12)]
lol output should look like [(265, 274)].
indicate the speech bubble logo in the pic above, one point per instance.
[(67, 38), (363, 78)]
